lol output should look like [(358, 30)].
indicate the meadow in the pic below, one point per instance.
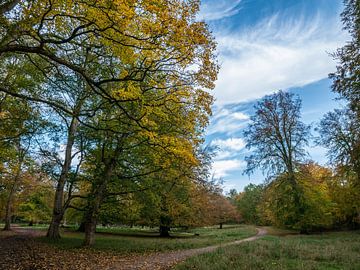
[(335, 250), (137, 240)]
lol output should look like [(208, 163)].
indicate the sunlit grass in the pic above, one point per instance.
[(340, 250)]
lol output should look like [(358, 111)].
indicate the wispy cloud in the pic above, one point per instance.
[(227, 121), (265, 46), (275, 54), (219, 9), (222, 168), (228, 149), (235, 144)]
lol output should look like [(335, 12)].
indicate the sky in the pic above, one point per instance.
[(265, 46)]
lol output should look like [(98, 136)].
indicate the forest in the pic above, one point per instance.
[(104, 107)]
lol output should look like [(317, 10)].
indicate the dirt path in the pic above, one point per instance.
[(166, 260), (20, 250)]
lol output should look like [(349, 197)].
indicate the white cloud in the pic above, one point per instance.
[(220, 155), (226, 121), (228, 148), (235, 144), (240, 116), (221, 168), (275, 55), (219, 9)]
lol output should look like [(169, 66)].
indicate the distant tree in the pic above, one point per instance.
[(232, 194), (247, 203), (18, 125), (340, 134), (346, 79), (223, 210), (36, 199)]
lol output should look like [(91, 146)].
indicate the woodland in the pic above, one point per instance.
[(103, 113)]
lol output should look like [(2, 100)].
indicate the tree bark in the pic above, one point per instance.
[(8, 212), (9, 202), (90, 228), (96, 200), (58, 209)]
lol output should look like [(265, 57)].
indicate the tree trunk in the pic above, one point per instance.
[(220, 226), (58, 209), (96, 200), (9, 202), (54, 228), (90, 229), (8, 213), (164, 231)]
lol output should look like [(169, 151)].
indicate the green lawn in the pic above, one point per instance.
[(140, 241), (338, 250)]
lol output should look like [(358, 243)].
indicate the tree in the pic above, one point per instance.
[(36, 199), (277, 137), (18, 124), (340, 129), (138, 58), (222, 210), (345, 197), (346, 79), (247, 203), (340, 134), (280, 206)]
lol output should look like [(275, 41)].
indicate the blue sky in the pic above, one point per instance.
[(264, 46)]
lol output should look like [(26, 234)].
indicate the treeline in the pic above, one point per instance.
[(328, 201), (299, 193), (103, 105)]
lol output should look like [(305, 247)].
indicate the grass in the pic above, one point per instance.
[(338, 250), (116, 239)]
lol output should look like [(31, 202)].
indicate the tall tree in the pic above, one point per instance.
[(277, 137), (153, 55), (346, 79), (340, 134)]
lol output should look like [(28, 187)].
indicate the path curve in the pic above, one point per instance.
[(34, 252), (166, 260)]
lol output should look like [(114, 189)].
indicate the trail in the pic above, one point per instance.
[(19, 249), (166, 260)]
